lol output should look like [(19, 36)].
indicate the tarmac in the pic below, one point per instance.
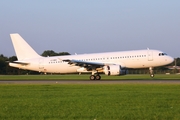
[(89, 81)]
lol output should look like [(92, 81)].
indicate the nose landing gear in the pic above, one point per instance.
[(151, 72)]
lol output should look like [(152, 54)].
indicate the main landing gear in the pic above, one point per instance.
[(95, 77), (151, 72)]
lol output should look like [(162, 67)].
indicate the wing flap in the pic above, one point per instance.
[(83, 63), (88, 65)]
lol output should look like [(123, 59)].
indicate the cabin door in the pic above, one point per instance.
[(150, 55), (41, 63)]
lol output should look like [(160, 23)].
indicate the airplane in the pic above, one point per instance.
[(110, 63)]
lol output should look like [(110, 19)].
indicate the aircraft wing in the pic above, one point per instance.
[(88, 65)]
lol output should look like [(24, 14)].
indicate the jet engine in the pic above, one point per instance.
[(114, 70)]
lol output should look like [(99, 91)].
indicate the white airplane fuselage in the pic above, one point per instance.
[(127, 59)]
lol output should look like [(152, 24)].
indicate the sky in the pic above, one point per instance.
[(91, 26)]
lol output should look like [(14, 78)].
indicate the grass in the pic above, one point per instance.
[(86, 77), (90, 102)]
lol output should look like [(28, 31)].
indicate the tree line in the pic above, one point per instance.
[(5, 69)]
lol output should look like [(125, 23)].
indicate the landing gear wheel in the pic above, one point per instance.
[(98, 77), (95, 77), (151, 75), (92, 77)]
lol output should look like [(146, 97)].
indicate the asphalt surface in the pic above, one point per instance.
[(90, 82)]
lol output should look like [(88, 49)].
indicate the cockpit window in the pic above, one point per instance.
[(162, 54)]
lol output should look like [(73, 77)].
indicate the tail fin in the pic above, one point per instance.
[(22, 48)]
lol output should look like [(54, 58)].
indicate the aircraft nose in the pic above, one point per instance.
[(169, 59)]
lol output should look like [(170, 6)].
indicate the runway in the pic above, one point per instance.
[(90, 82)]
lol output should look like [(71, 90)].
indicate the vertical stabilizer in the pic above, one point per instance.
[(22, 48)]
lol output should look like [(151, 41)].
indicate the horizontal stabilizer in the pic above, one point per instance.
[(20, 63)]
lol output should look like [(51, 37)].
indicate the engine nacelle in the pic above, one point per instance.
[(114, 70)]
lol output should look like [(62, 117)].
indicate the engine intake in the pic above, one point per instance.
[(114, 70)]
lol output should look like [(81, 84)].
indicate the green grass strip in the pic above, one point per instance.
[(90, 102)]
